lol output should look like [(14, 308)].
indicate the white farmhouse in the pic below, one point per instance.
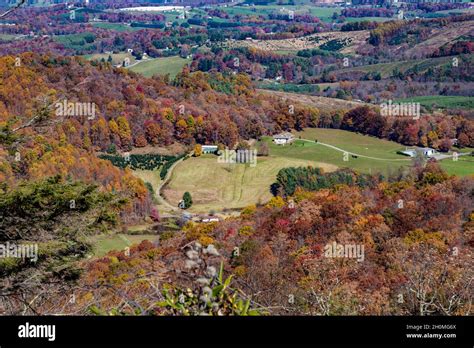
[(428, 151), (283, 138), (425, 151)]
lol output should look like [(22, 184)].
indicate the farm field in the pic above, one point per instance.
[(353, 142), (323, 13), (309, 150), (77, 41), (161, 66), (386, 69), (117, 58), (114, 26), (441, 101), (105, 243), (8, 37), (440, 37), (150, 176), (462, 167), (289, 87), (356, 39), (322, 103), (216, 186)]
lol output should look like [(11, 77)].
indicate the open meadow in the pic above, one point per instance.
[(217, 186)]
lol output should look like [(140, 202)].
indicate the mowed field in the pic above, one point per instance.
[(103, 244), (322, 103), (442, 101), (383, 157), (114, 26), (357, 38), (323, 13), (147, 67), (217, 186), (117, 58), (150, 176), (462, 167), (161, 66), (386, 69)]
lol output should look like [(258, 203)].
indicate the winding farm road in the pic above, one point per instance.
[(159, 197), (437, 156)]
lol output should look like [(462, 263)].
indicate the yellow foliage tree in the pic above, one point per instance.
[(197, 150)]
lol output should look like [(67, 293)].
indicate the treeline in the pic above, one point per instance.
[(367, 12), (425, 131), (363, 25), (133, 111), (456, 48), (396, 32), (196, 108), (263, 64), (435, 7), (314, 179)]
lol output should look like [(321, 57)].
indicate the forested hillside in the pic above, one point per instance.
[(237, 159)]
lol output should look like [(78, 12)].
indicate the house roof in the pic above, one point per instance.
[(286, 135)]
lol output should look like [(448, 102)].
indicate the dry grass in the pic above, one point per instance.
[(322, 103), (215, 186), (306, 42)]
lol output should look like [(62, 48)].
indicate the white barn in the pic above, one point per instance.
[(209, 148)]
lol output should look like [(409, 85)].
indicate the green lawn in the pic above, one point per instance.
[(462, 167), (371, 19), (216, 186), (117, 58), (385, 151), (114, 26), (354, 142), (7, 37), (103, 244), (151, 176), (76, 41), (442, 101), (323, 13), (161, 66), (386, 69)]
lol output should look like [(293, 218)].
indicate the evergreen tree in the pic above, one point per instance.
[(188, 201)]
